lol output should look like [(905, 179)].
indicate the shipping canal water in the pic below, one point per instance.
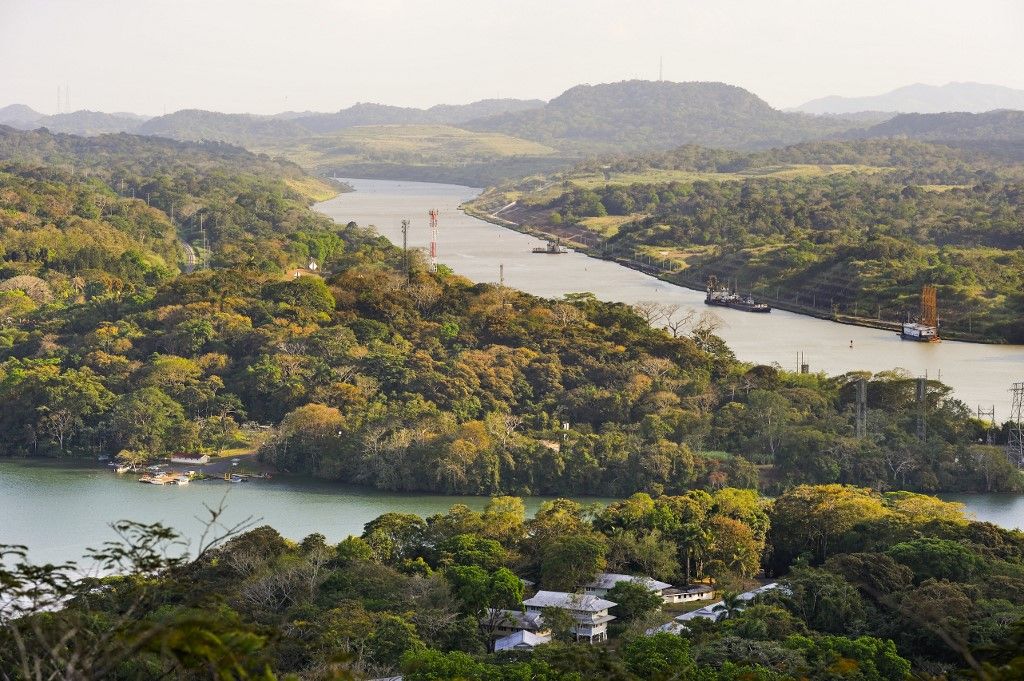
[(980, 374)]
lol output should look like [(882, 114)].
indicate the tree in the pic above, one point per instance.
[(560, 622), (391, 638), (394, 537), (148, 419), (633, 600), (572, 562), (659, 656)]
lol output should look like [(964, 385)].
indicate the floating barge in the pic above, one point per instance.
[(926, 328), (722, 296), (552, 248)]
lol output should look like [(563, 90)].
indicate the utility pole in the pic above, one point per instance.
[(405, 250), (433, 240), (922, 405), (862, 409)]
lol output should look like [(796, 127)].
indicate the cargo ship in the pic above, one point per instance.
[(722, 296), (552, 248)]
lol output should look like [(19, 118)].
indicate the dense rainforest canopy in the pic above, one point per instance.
[(423, 381)]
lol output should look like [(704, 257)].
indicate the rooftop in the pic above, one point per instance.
[(521, 638), (607, 580), (567, 601)]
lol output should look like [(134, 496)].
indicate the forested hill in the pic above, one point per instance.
[(88, 216), (194, 124), (639, 115), (998, 133), (423, 381)]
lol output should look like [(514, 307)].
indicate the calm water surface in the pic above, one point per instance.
[(59, 511), (980, 374)]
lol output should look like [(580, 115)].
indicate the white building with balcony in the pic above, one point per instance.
[(590, 612)]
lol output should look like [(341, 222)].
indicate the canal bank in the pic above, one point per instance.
[(979, 374)]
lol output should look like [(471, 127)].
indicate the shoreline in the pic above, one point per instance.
[(583, 248)]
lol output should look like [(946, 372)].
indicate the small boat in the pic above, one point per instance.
[(552, 248), (121, 470)]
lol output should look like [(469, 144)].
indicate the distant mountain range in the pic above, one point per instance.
[(920, 98), (195, 124), (485, 137)]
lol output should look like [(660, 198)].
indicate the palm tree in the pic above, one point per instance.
[(730, 606)]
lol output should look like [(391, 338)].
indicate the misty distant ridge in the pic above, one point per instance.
[(921, 98), (202, 124), (622, 117)]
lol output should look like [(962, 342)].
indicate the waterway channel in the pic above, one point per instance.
[(980, 374)]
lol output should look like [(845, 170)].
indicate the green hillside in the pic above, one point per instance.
[(642, 115), (850, 230)]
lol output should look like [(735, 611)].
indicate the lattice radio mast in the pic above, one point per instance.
[(433, 240), (1015, 439)]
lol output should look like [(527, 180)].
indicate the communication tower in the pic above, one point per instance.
[(1015, 438), (433, 240)]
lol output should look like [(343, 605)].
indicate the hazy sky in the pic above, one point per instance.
[(264, 56)]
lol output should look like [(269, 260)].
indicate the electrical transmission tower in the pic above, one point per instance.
[(405, 250), (862, 409), (433, 240), (1015, 439), (988, 416), (922, 407)]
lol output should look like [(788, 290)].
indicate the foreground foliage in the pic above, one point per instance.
[(873, 587)]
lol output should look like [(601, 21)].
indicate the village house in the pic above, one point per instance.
[(696, 592), (605, 581), (521, 640), (590, 612), (191, 459), (504, 622)]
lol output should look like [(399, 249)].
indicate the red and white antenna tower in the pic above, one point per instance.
[(433, 240)]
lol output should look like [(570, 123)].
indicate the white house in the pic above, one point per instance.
[(696, 592), (191, 460), (604, 582), (511, 621), (589, 611), (521, 640), (712, 613)]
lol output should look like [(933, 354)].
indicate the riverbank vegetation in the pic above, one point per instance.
[(871, 587), (413, 381), (850, 229)]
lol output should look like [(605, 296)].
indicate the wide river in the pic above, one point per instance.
[(59, 511)]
